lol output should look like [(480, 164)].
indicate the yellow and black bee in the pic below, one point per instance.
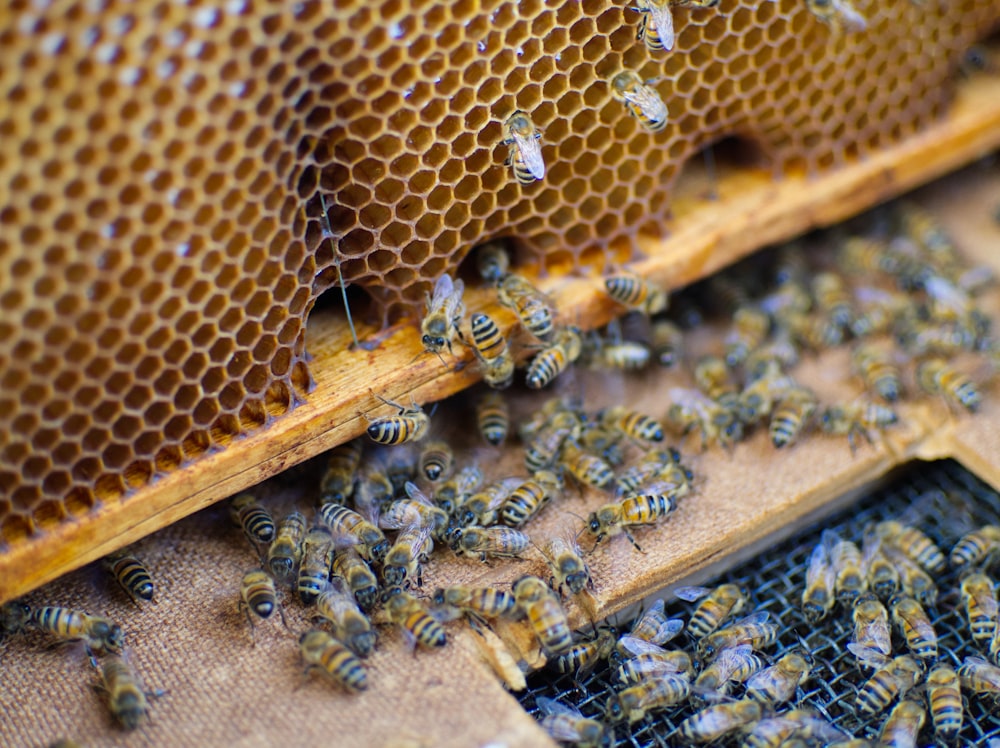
[(258, 599), (98, 634), (645, 508), (441, 322), (944, 696), (636, 293), (643, 102), (491, 349), (132, 575), (418, 625), (527, 500), (723, 602), (323, 654), (336, 604), (567, 725), (286, 550), (525, 155), (533, 308), (713, 722), (409, 425), (486, 542), (436, 460), (553, 360), (126, 697), (314, 568), (545, 614), (493, 418), (337, 483), (937, 377), (256, 521), (895, 678)]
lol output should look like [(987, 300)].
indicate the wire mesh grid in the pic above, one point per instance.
[(942, 499)]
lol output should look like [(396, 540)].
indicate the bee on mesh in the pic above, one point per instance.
[(644, 103), (819, 595), (871, 629), (944, 696), (892, 677), (639, 660), (323, 654), (883, 577), (716, 721), (903, 725), (979, 602), (259, 600), (651, 694), (754, 629), (583, 656), (980, 677), (410, 424), (523, 140), (915, 626), (131, 575), (913, 580), (778, 683), (980, 545), (566, 724), (442, 320), (796, 727), (717, 605), (735, 664)]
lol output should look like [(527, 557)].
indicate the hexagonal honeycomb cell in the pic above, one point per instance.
[(161, 167)]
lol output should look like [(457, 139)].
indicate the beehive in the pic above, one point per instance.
[(161, 165)]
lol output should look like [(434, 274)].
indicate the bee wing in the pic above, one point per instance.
[(868, 655), (531, 153), (690, 594), (399, 517), (551, 706), (454, 306), (651, 617), (758, 617), (663, 19), (730, 660), (417, 495), (635, 646), (443, 289), (851, 17), (648, 101), (656, 668), (668, 630), (924, 629), (819, 568)]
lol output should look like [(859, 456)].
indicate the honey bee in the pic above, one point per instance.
[(543, 449), (937, 377), (903, 725), (644, 103), (654, 627), (336, 604), (322, 653), (567, 725), (588, 469), (258, 599), (751, 325), (627, 355), (493, 418), (582, 657), (833, 298), (777, 684), (492, 262), (913, 543), (895, 678), (944, 695), (400, 466), (791, 415), (349, 527), (883, 578), (415, 511), (545, 614), (647, 660), (98, 634), (818, 596), (979, 676), (913, 580), (491, 349), (525, 153), (409, 425), (691, 409), (652, 694), (418, 625), (436, 460), (712, 722), (754, 630), (837, 14), (314, 569), (979, 598), (922, 339), (569, 570), (858, 417), (132, 575), (353, 569), (668, 343), (645, 508), (715, 607), (527, 500), (878, 372), (648, 467), (603, 441), (374, 489), (871, 627), (735, 664), (533, 308), (553, 360), (813, 331), (757, 399), (126, 697), (771, 358), (796, 727), (337, 483), (477, 602), (482, 508), (255, 520), (14, 618), (915, 626), (443, 316), (457, 489), (974, 546), (485, 542), (637, 425), (849, 575), (285, 552), (403, 561)]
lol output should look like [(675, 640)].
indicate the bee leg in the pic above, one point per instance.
[(632, 540), (284, 621)]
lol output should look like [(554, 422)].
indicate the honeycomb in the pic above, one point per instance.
[(160, 240)]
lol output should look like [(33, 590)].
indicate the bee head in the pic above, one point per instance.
[(433, 342), (394, 576), (438, 597), (391, 592), (614, 710), (594, 523)]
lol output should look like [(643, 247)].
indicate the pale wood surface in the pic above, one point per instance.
[(752, 211)]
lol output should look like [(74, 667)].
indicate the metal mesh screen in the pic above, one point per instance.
[(942, 499)]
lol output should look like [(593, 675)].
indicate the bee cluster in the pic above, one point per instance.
[(845, 646)]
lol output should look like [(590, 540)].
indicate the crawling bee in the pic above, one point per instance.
[(833, 298), (651, 694), (644, 103), (837, 14), (482, 508), (858, 417), (400, 466), (533, 308), (975, 546), (374, 489), (871, 627), (796, 727), (567, 725), (347, 526), (525, 153), (937, 377), (545, 614), (14, 618), (337, 483), (648, 467), (314, 569), (456, 490), (403, 562), (322, 653), (493, 418), (419, 626), (944, 696), (527, 500), (754, 630), (691, 409), (98, 634), (653, 627), (913, 580), (791, 415), (712, 722), (361, 580), (543, 449), (409, 425), (913, 543), (258, 599), (979, 598), (583, 656), (883, 577), (444, 313), (903, 725), (716, 606), (778, 683), (569, 570), (415, 511), (255, 520), (732, 665), (491, 349), (646, 508), (751, 325), (895, 678), (637, 425), (492, 261), (668, 343), (915, 626), (818, 596), (486, 542), (879, 311), (878, 371), (285, 552), (126, 697), (553, 359), (979, 676), (436, 460), (656, 28), (849, 575), (588, 469), (636, 293), (336, 604), (131, 574), (477, 602)]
